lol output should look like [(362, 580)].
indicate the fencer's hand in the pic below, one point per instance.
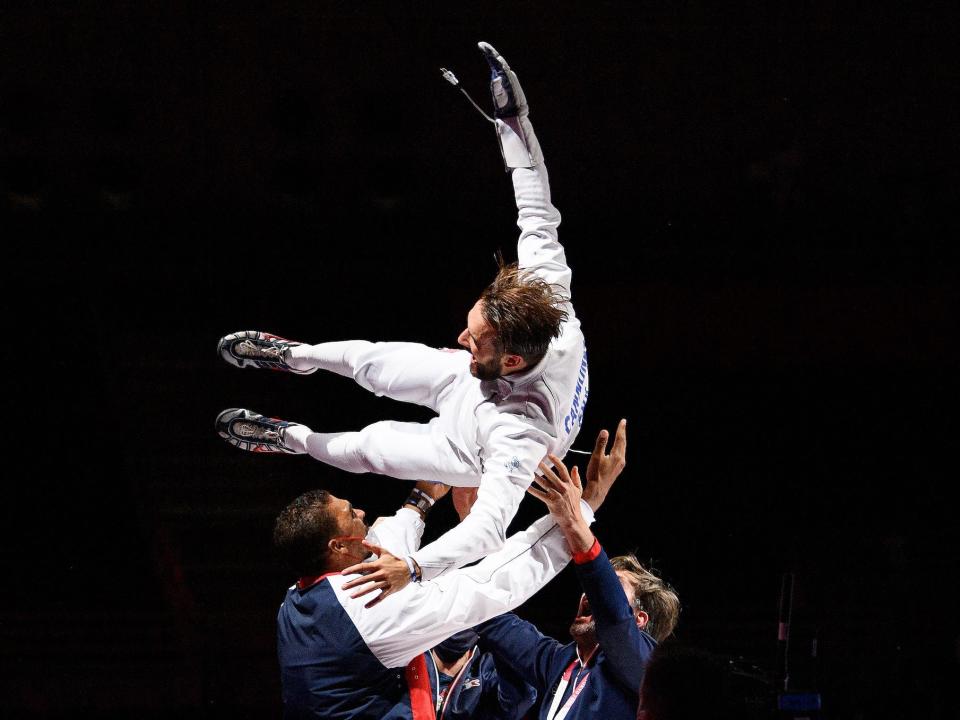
[(463, 500), (508, 97), (387, 573), (560, 491), (604, 469)]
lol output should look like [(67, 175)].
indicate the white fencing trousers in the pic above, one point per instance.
[(409, 372)]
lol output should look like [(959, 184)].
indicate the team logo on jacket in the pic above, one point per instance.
[(471, 683)]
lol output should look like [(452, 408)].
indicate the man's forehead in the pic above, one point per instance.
[(475, 314), (476, 323)]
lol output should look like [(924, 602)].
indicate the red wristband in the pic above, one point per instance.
[(586, 556)]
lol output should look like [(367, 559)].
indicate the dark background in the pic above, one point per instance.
[(757, 199)]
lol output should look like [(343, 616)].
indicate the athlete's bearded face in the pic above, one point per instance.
[(478, 338)]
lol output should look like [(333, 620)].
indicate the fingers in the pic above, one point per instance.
[(378, 598), (382, 585), (539, 494), (559, 467), (373, 579), (556, 475), (556, 478), (575, 478), (366, 571), (600, 447), (375, 549), (548, 478), (373, 582), (620, 441), (383, 576), (365, 568), (495, 59), (551, 487), (361, 568)]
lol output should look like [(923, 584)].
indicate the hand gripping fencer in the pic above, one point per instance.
[(518, 142)]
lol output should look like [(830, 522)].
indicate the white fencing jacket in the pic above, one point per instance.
[(505, 427)]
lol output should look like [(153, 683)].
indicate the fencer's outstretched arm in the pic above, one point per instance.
[(538, 249)]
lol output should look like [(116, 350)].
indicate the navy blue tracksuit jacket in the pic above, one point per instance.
[(612, 690)]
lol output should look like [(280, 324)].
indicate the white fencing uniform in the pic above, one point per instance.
[(490, 434), (424, 614)]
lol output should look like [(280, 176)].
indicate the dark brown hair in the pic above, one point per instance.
[(652, 595), (524, 311), (303, 530)]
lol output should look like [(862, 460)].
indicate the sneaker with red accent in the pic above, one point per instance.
[(249, 431), (252, 348)]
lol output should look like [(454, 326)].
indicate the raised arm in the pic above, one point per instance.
[(538, 249), (516, 642), (626, 647)]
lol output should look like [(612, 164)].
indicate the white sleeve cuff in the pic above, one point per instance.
[(586, 511)]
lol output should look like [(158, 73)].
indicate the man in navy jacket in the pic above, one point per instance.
[(624, 612)]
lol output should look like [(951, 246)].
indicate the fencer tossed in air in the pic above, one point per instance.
[(516, 393)]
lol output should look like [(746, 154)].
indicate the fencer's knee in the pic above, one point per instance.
[(367, 447), (358, 358), (337, 449)]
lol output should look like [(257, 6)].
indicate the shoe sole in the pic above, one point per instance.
[(227, 343), (225, 423)]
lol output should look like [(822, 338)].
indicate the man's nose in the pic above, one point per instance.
[(464, 339)]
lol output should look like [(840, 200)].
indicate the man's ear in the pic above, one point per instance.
[(336, 546), (343, 546), (642, 619), (512, 362)]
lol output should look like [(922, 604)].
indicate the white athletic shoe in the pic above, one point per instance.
[(249, 431), (252, 348)]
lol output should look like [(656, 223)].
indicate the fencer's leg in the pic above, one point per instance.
[(409, 372), (408, 451)]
